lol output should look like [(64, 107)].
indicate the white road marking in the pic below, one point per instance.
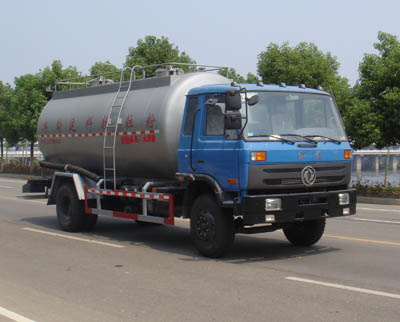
[(6, 187), (378, 209), (377, 221), (14, 316), (74, 238), (344, 287)]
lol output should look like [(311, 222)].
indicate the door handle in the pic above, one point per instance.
[(200, 161)]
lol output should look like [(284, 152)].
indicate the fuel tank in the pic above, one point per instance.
[(72, 125)]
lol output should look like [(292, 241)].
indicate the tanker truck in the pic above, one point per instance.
[(232, 158)]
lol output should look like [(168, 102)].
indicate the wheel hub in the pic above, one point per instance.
[(205, 226)]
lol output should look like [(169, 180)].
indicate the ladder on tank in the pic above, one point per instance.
[(111, 129)]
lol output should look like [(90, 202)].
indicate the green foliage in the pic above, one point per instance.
[(377, 190), (153, 50), (361, 123), (233, 75), (3, 113), (29, 97), (100, 68), (380, 85), (251, 78), (8, 126), (28, 100), (303, 64), (50, 74)]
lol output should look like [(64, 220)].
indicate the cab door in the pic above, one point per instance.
[(215, 153)]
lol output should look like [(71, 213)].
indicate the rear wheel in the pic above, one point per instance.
[(211, 228), (305, 233), (71, 211)]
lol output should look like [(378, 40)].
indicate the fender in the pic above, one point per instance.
[(61, 177), (225, 199)]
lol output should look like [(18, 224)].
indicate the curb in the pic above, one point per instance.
[(378, 201)]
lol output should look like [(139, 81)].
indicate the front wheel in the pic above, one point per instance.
[(211, 228), (305, 233)]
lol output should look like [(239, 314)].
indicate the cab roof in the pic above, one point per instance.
[(222, 88)]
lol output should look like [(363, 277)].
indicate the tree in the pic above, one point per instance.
[(3, 115), (8, 128), (56, 72), (153, 50), (99, 68), (379, 84), (28, 101), (361, 123), (303, 64), (251, 78), (31, 94), (232, 74), (2, 118)]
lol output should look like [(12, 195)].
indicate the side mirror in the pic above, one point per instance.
[(233, 121), (253, 100), (233, 100)]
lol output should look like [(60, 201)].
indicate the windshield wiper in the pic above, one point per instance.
[(324, 137), (273, 136), (300, 136)]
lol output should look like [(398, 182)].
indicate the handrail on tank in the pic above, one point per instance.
[(87, 79), (133, 73)]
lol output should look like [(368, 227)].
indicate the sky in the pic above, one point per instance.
[(228, 33)]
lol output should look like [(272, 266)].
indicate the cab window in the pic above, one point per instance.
[(191, 109)]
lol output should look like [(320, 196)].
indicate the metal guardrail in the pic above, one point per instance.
[(22, 154), (376, 152)]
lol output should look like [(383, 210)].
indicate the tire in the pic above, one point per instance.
[(71, 211), (211, 229), (305, 233)]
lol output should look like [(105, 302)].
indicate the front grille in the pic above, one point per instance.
[(289, 176), (297, 169), (293, 181)]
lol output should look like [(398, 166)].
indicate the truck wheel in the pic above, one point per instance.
[(70, 210), (305, 233), (211, 229)]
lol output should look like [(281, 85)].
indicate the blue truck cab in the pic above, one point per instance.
[(276, 156)]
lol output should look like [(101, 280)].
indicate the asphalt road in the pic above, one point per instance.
[(126, 272)]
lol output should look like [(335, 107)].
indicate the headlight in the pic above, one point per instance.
[(273, 204), (344, 199)]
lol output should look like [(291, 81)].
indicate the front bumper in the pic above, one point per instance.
[(297, 207)]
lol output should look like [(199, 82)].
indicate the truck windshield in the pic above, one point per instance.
[(295, 117)]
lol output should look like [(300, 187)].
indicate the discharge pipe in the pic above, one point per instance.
[(71, 168)]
